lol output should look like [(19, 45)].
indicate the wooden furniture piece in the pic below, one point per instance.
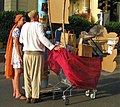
[(105, 45)]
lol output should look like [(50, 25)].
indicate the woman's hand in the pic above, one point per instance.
[(21, 61)]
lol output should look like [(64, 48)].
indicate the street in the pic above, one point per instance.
[(108, 94)]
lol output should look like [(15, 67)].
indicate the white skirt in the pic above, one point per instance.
[(15, 61)]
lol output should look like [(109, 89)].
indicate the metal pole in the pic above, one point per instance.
[(63, 23), (42, 12), (17, 5), (101, 18), (49, 17)]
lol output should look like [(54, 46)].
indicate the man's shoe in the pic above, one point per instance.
[(34, 100), (28, 100)]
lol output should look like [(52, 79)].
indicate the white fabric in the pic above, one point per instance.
[(15, 58), (16, 33), (33, 67), (33, 37), (15, 61)]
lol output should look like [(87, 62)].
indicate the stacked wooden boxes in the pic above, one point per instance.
[(69, 39), (84, 49), (107, 44)]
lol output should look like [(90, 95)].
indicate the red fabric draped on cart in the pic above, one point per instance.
[(82, 72)]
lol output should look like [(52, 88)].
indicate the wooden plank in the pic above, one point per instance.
[(108, 63)]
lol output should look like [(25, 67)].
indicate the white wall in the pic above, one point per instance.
[(25, 5), (7, 5), (94, 9)]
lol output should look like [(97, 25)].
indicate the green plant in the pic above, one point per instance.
[(113, 27), (76, 25), (6, 23)]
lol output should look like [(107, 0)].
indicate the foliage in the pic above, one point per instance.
[(76, 25), (6, 23), (113, 27), (79, 24)]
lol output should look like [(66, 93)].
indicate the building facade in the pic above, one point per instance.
[(85, 6), (23, 5), (81, 6)]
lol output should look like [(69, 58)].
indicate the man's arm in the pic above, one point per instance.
[(43, 39)]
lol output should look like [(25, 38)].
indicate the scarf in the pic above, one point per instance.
[(8, 67)]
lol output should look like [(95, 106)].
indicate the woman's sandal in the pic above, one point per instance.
[(13, 95), (21, 97)]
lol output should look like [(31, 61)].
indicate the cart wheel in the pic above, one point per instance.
[(87, 93), (66, 101), (93, 95), (64, 97)]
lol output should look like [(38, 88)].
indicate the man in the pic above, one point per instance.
[(34, 43)]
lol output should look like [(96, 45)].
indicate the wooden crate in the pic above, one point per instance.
[(85, 50), (69, 39)]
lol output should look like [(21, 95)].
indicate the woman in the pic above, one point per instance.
[(14, 57)]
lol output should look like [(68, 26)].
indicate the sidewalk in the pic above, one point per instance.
[(2, 62), (108, 94), (2, 69)]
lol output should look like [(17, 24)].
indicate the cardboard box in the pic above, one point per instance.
[(108, 62), (74, 50), (56, 11), (69, 38), (85, 50)]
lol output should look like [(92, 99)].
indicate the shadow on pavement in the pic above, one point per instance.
[(107, 85)]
